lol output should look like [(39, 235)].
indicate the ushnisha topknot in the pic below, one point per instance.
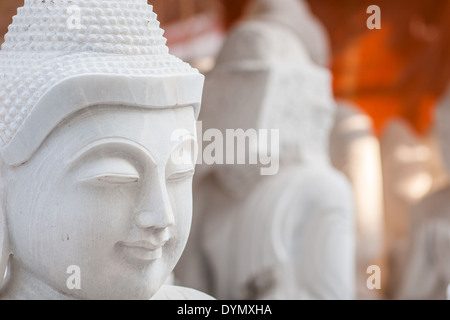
[(63, 55)]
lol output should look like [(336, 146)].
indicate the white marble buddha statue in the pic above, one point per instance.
[(426, 274), (92, 123), (354, 147), (283, 236)]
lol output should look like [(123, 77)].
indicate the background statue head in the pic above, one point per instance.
[(264, 79), (94, 115), (297, 16)]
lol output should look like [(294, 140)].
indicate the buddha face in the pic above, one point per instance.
[(104, 193)]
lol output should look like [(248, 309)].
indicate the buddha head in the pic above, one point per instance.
[(97, 125), (295, 15), (265, 79)]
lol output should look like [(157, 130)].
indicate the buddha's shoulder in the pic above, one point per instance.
[(316, 178), (169, 292)]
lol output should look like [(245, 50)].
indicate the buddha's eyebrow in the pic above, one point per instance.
[(115, 143), (183, 138)]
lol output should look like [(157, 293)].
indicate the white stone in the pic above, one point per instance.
[(355, 151), (296, 16), (287, 236), (354, 148), (410, 172), (94, 205), (426, 275)]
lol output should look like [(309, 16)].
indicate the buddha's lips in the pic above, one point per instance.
[(144, 244), (142, 250)]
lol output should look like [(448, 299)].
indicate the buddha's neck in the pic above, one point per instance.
[(23, 285)]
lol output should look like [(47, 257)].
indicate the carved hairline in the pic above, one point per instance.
[(83, 91)]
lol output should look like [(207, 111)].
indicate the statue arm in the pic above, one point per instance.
[(324, 256)]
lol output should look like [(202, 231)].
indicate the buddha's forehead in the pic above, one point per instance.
[(155, 130), (48, 74)]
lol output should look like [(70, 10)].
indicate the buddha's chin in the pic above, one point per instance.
[(135, 289), (130, 281)]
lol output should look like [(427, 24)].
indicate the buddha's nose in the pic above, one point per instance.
[(156, 209)]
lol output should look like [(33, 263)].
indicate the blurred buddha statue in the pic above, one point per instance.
[(355, 151), (426, 274), (92, 124), (354, 147), (289, 235), (296, 16), (411, 171)]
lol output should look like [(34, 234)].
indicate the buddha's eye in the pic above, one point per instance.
[(180, 175), (109, 171), (181, 164)]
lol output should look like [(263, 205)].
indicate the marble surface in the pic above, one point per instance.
[(284, 236), (426, 275), (96, 199)]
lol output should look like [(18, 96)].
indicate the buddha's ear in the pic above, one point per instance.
[(4, 239)]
